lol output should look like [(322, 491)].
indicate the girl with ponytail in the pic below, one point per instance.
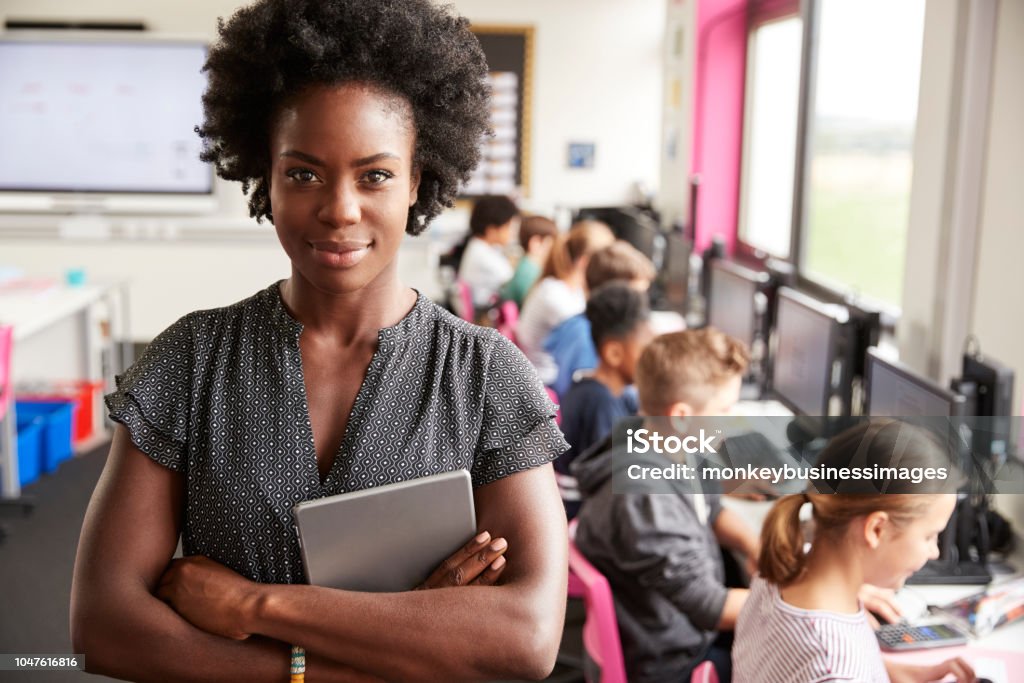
[(803, 620), (560, 293)]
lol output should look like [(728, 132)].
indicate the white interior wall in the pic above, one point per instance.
[(998, 314), (597, 78)]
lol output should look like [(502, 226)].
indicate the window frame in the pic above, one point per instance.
[(760, 14)]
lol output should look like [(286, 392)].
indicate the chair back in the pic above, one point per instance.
[(600, 627), (558, 409), (704, 673), (465, 301), (6, 351), (508, 318)]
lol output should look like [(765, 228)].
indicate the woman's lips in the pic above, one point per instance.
[(343, 254)]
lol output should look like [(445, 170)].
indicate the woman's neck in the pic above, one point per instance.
[(830, 582), (347, 317)]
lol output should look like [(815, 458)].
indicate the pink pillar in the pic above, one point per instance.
[(718, 116)]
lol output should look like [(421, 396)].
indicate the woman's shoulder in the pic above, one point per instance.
[(255, 309), (463, 335)]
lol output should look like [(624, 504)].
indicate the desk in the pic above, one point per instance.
[(62, 333)]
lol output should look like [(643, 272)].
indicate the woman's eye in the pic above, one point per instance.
[(302, 175), (377, 177)]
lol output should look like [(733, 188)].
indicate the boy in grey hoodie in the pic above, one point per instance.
[(660, 552)]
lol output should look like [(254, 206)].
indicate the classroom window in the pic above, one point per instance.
[(769, 140), (862, 118)]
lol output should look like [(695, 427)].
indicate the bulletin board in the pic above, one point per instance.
[(505, 163)]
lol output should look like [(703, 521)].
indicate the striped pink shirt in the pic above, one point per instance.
[(778, 643)]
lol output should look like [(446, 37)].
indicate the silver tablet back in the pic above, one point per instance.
[(389, 538)]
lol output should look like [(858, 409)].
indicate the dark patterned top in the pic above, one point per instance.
[(220, 397)]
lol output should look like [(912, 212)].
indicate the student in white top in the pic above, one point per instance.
[(560, 293), (484, 266), (802, 620)]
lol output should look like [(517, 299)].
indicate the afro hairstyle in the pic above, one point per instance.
[(272, 50)]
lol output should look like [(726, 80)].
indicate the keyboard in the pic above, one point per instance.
[(958, 573)]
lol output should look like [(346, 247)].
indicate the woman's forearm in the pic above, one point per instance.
[(466, 633), (141, 639)]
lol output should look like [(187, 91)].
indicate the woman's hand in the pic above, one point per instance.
[(478, 563), (209, 595), (880, 601)]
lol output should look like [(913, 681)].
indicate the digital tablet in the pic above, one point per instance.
[(388, 538)]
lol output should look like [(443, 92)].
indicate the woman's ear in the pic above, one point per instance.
[(414, 186), (876, 525)]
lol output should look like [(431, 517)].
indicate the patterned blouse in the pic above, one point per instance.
[(220, 397)]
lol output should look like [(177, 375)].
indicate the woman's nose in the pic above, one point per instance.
[(340, 206)]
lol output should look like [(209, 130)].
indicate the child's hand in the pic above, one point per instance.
[(880, 601), (956, 666), (909, 673)]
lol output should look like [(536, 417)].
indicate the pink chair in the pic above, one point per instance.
[(600, 627), (558, 409), (6, 350), (465, 302), (704, 673), (508, 318)]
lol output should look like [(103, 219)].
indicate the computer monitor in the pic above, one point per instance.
[(628, 223), (671, 286), (810, 366), (732, 295), (894, 390), (102, 122), (991, 383)]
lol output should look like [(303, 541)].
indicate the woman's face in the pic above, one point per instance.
[(341, 184)]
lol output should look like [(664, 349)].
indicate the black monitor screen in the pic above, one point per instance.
[(675, 271), (731, 301), (894, 390), (804, 352), (628, 223)]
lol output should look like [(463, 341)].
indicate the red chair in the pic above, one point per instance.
[(600, 627), (704, 673)]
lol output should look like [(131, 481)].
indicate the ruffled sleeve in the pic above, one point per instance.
[(518, 431), (154, 396)]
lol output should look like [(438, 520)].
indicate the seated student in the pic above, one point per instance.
[(570, 344), (484, 266), (619, 321), (803, 620), (536, 235), (560, 292), (660, 552)]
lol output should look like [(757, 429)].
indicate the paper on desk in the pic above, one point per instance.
[(990, 668)]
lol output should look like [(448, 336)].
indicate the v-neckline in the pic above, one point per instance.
[(387, 338)]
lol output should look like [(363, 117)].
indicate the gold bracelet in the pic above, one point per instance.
[(298, 665)]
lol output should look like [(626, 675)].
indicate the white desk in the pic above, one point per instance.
[(61, 333)]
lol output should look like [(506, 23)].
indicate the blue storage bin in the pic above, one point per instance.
[(30, 442), (57, 420)]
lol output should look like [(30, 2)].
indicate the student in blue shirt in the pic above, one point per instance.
[(620, 327), (570, 344)]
